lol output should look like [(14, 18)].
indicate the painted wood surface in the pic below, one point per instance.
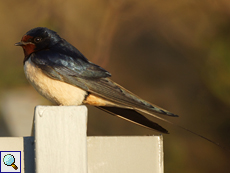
[(60, 139), (60, 145), (127, 154)]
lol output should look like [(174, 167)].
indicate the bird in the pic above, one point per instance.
[(64, 76)]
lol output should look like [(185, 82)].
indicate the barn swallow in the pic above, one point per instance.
[(63, 75)]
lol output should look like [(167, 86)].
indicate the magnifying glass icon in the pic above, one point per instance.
[(9, 160)]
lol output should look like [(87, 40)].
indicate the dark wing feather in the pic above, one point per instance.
[(111, 91), (68, 66)]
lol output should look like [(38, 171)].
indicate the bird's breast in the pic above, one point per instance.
[(56, 91)]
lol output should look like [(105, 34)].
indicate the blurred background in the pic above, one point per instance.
[(174, 54)]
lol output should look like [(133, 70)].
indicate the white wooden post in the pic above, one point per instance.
[(60, 139), (61, 146)]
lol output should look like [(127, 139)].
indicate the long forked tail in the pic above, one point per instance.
[(137, 118)]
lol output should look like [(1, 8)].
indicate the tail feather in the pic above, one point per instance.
[(134, 117)]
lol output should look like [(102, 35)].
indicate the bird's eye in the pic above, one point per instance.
[(37, 39)]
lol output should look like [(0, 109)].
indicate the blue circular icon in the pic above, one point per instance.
[(8, 159)]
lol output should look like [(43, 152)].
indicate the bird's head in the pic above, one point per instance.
[(37, 39)]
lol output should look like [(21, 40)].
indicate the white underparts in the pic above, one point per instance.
[(56, 91)]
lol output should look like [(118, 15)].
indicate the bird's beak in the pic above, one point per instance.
[(20, 44)]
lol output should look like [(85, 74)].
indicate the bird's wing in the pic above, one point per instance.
[(67, 69), (94, 79), (113, 92), (90, 77)]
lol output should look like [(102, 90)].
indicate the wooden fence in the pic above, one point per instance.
[(59, 144)]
